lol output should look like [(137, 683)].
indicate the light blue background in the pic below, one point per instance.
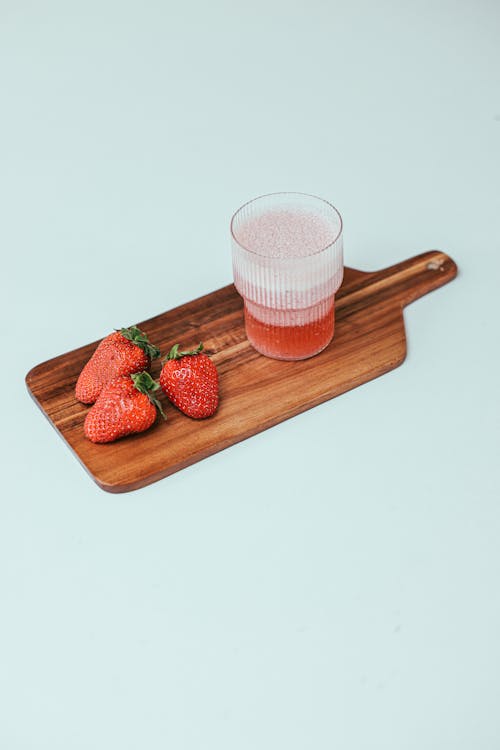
[(332, 582)]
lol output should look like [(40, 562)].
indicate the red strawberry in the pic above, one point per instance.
[(124, 406), (191, 382), (121, 353)]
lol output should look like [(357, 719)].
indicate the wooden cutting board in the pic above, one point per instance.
[(256, 392)]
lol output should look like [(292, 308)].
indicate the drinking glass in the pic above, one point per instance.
[(287, 265)]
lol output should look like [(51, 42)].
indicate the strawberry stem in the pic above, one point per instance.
[(174, 352), (140, 339), (145, 384)]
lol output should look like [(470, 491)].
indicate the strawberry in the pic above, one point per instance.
[(121, 353), (191, 382), (125, 405)]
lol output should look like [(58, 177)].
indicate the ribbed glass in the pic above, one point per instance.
[(288, 264)]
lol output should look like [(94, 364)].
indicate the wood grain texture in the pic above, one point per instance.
[(256, 392)]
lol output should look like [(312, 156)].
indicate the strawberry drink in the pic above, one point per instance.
[(288, 264)]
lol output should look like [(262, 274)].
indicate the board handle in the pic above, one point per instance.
[(404, 282)]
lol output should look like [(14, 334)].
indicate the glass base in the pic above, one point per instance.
[(287, 359), (306, 335)]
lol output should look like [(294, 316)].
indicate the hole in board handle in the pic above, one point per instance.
[(434, 265)]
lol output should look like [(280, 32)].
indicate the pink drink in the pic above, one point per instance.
[(287, 268)]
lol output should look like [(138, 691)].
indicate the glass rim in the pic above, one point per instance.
[(286, 192)]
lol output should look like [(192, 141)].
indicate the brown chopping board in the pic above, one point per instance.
[(256, 392)]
